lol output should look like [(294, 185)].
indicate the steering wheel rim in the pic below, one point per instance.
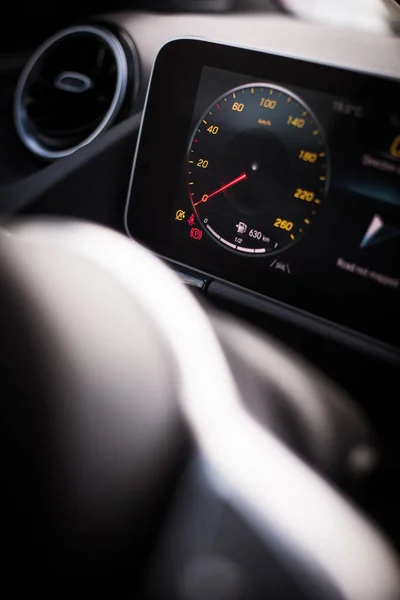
[(247, 465)]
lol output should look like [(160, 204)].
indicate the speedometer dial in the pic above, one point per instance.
[(257, 169)]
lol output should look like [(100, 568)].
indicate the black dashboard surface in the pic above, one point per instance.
[(294, 187)]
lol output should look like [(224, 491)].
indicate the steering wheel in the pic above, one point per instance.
[(153, 443)]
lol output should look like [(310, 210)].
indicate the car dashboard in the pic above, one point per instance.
[(259, 155)]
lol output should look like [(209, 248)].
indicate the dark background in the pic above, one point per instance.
[(25, 25)]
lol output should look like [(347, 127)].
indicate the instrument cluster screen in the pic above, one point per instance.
[(279, 176)]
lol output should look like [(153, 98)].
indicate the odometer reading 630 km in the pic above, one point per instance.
[(257, 169)]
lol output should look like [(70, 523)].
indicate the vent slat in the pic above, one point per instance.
[(73, 86)]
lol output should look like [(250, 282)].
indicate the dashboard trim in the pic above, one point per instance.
[(291, 314)]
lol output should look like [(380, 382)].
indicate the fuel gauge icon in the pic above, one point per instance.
[(241, 227)]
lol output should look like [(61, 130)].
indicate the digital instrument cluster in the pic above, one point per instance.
[(276, 175), (257, 169)]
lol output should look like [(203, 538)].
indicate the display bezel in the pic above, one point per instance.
[(166, 129)]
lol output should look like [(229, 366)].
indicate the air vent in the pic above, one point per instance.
[(70, 91)]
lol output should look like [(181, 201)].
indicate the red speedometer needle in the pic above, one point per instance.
[(221, 189)]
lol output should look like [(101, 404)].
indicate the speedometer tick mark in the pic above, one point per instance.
[(204, 121), (307, 221), (315, 132)]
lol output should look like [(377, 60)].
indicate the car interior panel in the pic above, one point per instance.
[(200, 290)]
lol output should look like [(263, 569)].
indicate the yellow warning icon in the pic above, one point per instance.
[(180, 215)]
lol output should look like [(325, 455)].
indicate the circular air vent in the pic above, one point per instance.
[(70, 91)]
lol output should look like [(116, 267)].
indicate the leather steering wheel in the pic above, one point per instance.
[(152, 442)]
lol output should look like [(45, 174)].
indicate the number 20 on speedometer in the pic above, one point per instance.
[(257, 169)]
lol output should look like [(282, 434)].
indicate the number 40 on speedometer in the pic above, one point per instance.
[(257, 169)]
